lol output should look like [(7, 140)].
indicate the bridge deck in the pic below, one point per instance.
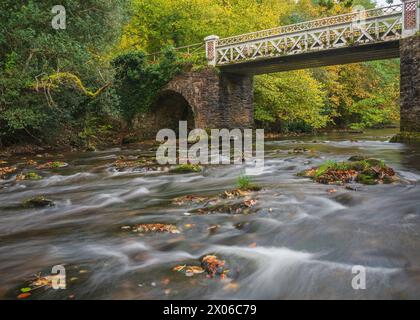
[(368, 52), (354, 37)]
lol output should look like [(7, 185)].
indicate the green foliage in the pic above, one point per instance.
[(361, 166), (138, 81), (32, 176), (158, 23), (245, 183), (292, 98), (52, 82), (31, 49)]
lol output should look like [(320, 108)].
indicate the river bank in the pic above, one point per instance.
[(30, 149)]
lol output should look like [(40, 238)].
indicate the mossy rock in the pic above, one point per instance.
[(366, 179), (38, 202), (357, 158), (375, 162), (369, 171), (406, 137), (33, 176), (252, 187), (186, 168), (28, 176)]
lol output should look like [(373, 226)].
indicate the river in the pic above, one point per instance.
[(300, 241)]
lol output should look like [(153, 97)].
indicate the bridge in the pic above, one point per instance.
[(226, 99)]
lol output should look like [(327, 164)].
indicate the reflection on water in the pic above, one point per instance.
[(301, 242)]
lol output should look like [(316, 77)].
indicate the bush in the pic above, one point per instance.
[(138, 81)]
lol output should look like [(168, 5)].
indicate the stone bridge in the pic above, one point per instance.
[(222, 97)]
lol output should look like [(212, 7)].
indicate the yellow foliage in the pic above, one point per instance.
[(53, 81)]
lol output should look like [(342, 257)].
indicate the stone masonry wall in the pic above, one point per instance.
[(237, 99), (202, 91), (410, 84), (217, 101)]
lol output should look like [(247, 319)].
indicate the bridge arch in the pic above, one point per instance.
[(171, 107)]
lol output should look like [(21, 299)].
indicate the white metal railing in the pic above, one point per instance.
[(319, 23), (352, 29)]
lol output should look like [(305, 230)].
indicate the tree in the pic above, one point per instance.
[(289, 99), (31, 51)]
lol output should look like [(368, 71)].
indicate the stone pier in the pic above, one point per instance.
[(410, 84)]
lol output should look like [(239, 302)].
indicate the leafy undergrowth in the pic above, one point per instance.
[(367, 171)]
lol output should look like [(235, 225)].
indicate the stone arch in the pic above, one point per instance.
[(216, 101), (171, 107)]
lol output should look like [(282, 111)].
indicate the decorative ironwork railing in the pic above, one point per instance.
[(381, 24), (319, 23), (351, 29)]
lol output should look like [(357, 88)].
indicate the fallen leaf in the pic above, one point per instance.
[(233, 286), (179, 268), (24, 290), (195, 269), (24, 295)]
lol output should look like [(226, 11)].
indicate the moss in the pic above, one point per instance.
[(32, 176), (58, 164), (186, 168), (38, 202), (368, 171), (366, 179), (406, 137)]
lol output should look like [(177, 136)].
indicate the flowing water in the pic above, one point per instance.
[(300, 241)]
